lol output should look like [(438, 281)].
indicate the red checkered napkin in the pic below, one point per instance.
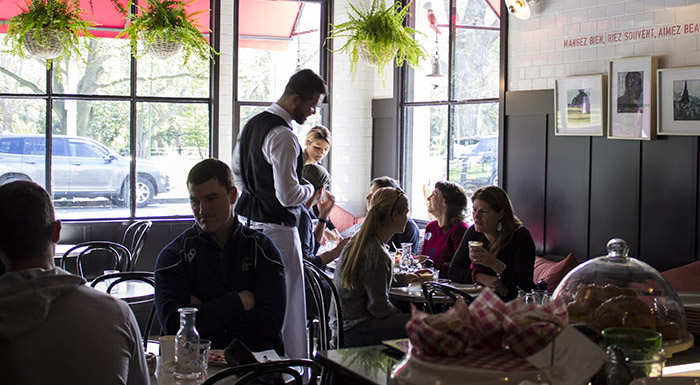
[(487, 311), (528, 340), (430, 341)]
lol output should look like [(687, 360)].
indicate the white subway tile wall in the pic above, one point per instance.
[(580, 37)]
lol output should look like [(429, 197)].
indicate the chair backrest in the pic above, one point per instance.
[(250, 372), (91, 259), (116, 279), (315, 278), (431, 288), (134, 238)]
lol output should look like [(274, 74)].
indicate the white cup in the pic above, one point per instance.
[(167, 349)]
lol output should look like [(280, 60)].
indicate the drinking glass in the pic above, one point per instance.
[(115, 289), (204, 346), (632, 353), (406, 258)]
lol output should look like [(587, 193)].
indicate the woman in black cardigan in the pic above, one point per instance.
[(505, 261)]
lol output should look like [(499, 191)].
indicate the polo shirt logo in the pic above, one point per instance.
[(190, 255)]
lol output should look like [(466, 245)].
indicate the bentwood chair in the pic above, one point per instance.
[(91, 259), (318, 282), (125, 281), (266, 372), (431, 288), (134, 238)]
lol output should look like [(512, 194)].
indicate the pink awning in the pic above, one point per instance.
[(266, 24), (109, 20)]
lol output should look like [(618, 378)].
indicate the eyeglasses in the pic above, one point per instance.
[(400, 192)]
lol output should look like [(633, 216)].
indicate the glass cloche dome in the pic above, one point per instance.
[(617, 290)]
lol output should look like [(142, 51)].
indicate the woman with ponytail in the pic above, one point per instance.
[(364, 271), (505, 260)]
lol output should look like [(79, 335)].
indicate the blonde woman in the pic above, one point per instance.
[(318, 143), (363, 275)]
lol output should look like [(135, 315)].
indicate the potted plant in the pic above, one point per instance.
[(50, 29), (377, 35), (163, 27)]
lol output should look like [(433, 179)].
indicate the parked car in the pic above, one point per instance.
[(82, 168), (479, 166)]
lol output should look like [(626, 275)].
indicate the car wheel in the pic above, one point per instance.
[(144, 192), (494, 179), (7, 178)]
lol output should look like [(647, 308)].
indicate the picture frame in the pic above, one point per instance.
[(632, 98), (580, 105), (678, 98)]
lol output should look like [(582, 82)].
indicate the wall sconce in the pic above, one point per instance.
[(520, 8)]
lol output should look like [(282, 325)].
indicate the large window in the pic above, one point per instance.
[(276, 39), (99, 114), (450, 103)]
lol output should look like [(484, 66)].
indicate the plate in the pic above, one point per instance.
[(468, 288), (217, 358)]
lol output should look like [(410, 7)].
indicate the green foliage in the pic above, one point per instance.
[(379, 30), (166, 19), (62, 17)]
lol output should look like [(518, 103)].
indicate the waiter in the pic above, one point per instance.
[(267, 165)]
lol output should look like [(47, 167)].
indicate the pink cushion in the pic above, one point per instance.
[(553, 272), (342, 219), (684, 278)]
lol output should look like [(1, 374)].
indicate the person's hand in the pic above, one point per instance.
[(332, 235), (325, 204), (339, 247), (331, 255), (247, 299), (194, 300), (492, 282), (483, 257)]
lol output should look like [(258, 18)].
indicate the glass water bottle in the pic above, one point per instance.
[(187, 363)]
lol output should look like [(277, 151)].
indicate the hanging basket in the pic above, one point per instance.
[(365, 56), (48, 46), (164, 48)]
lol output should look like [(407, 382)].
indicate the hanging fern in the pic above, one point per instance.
[(42, 18), (166, 19), (380, 31)]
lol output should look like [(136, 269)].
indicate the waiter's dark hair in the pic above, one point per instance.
[(211, 168), (385, 181), (305, 83), (27, 219)]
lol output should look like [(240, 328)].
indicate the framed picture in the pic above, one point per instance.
[(631, 96), (579, 105), (678, 97)]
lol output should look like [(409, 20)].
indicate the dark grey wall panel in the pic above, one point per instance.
[(646, 192), (385, 139), (566, 213), (614, 201), (525, 163), (669, 198)]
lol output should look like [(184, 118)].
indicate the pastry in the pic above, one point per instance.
[(623, 311)]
